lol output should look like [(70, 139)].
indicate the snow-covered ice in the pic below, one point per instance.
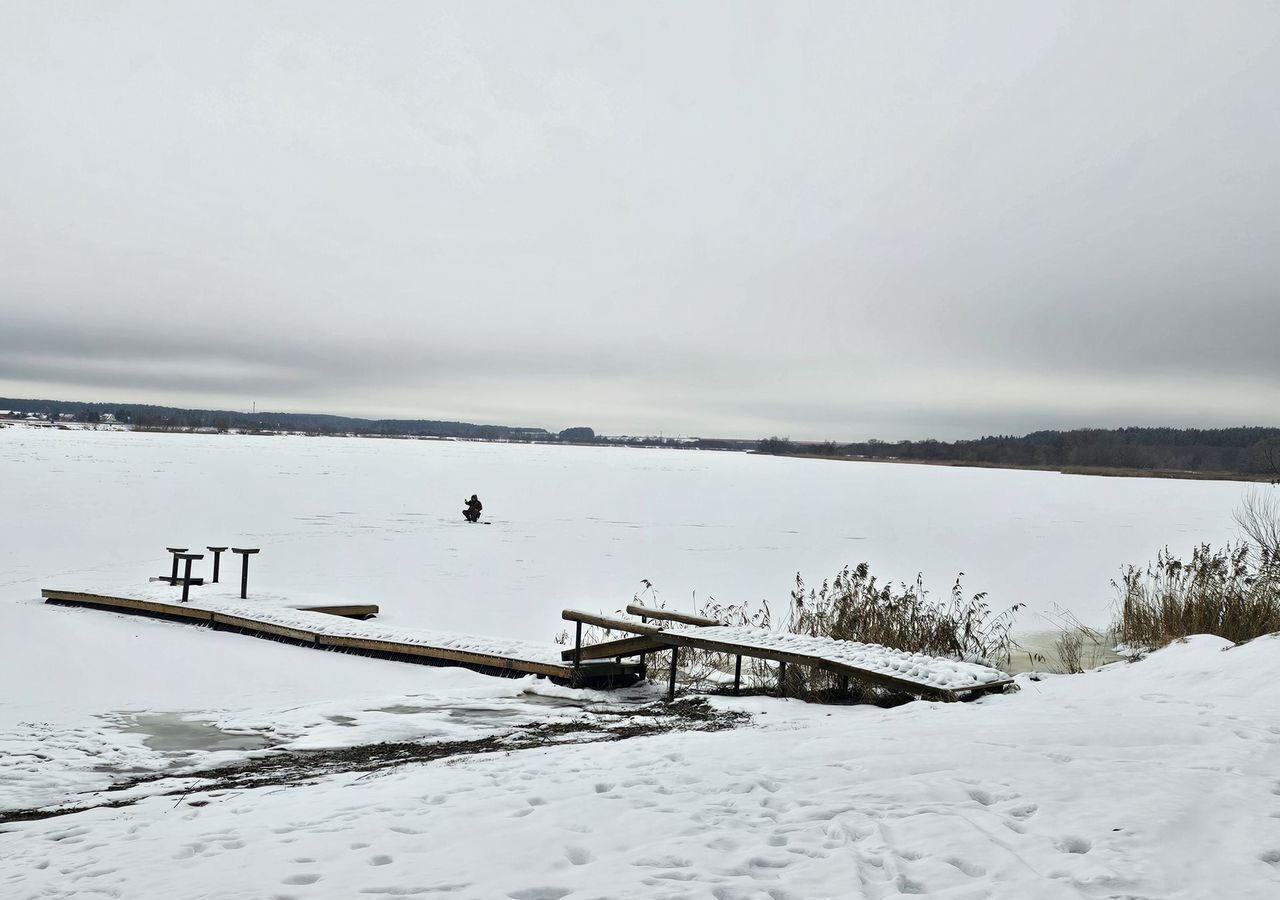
[(1158, 779)]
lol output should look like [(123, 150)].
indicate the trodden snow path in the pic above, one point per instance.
[(1159, 779)]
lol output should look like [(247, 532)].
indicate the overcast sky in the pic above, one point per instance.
[(824, 220)]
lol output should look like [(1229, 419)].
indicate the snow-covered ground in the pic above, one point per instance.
[(1152, 780)]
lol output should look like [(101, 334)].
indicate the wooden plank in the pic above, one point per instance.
[(691, 639), (349, 611), (804, 659), (475, 659), (632, 646), (575, 615), (671, 616), (296, 634), (126, 605)]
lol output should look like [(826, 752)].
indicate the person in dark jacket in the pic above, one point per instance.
[(472, 512)]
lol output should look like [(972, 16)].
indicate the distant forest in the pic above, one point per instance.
[(162, 418), (1245, 451), (1249, 451)]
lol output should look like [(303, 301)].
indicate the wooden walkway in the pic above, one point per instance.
[(915, 674), (599, 665), (598, 673)]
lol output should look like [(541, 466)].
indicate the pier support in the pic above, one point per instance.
[(217, 557), (186, 575), (671, 679), (173, 575), (245, 553)]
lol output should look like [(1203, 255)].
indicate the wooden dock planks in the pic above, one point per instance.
[(601, 673), (674, 639)]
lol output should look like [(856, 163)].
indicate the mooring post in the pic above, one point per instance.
[(245, 553), (173, 576), (737, 676), (186, 574), (671, 681), (217, 557), (782, 679)]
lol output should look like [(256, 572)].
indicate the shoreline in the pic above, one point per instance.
[(1097, 471)]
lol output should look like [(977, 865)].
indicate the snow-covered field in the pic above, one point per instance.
[(1152, 780)]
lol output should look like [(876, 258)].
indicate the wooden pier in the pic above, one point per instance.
[(885, 667), (292, 625), (598, 665)]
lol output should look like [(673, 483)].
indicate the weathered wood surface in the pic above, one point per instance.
[(596, 672), (671, 616), (632, 646), (348, 611), (123, 604), (691, 639)]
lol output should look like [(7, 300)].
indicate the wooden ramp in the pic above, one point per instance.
[(300, 626), (911, 673)]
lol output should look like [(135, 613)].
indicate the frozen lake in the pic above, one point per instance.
[(380, 521)]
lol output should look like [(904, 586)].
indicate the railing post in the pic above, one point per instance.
[(737, 676), (577, 650), (671, 681)]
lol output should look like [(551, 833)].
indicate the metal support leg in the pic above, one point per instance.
[(737, 676), (186, 580), (245, 553), (217, 558), (173, 575), (671, 681)]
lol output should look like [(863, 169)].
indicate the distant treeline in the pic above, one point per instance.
[(1252, 451), (173, 418)]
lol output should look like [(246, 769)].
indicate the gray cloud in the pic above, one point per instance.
[(829, 220)]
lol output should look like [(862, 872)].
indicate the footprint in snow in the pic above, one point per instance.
[(579, 856), (1074, 845), (981, 797), (305, 878)]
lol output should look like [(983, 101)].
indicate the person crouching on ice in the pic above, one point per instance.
[(472, 512)]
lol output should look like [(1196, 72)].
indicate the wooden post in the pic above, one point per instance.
[(671, 682), (577, 650), (186, 575), (245, 553), (844, 685), (782, 679), (173, 576), (737, 676), (217, 558)]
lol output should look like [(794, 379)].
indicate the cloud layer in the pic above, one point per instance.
[(829, 220)]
